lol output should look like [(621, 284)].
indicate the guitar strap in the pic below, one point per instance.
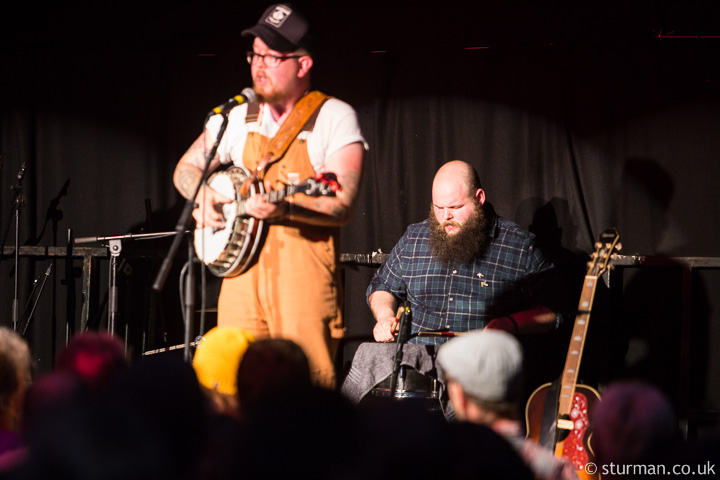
[(302, 112)]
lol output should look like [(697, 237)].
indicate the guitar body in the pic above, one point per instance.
[(572, 444)]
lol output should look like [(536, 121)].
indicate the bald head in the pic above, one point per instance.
[(455, 190), (460, 173)]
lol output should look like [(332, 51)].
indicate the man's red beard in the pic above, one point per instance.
[(465, 245), (272, 95)]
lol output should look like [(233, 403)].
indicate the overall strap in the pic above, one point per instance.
[(301, 113), (252, 112)]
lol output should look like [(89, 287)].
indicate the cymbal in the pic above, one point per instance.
[(208, 310)]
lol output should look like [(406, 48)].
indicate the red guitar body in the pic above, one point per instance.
[(574, 445)]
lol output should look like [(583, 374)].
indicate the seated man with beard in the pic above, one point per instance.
[(465, 268)]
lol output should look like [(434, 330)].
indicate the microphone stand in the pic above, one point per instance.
[(404, 322), (181, 228), (115, 245), (37, 298), (18, 202)]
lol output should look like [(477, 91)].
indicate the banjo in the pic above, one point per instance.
[(230, 250)]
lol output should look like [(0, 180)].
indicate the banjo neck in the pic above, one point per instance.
[(274, 196), (324, 184)]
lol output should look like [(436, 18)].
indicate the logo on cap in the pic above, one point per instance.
[(278, 16)]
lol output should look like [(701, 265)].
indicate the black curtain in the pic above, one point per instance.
[(576, 117)]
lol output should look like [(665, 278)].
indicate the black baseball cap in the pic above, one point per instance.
[(282, 28)]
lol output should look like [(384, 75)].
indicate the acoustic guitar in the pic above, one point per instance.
[(557, 413)]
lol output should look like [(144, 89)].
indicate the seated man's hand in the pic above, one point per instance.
[(383, 331)]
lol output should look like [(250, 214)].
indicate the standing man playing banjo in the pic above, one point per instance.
[(291, 289)]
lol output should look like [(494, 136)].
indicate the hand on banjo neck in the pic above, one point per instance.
[(263, 206)]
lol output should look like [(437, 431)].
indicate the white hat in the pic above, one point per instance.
[(486, 363)]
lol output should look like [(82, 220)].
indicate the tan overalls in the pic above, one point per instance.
[(293, 289)]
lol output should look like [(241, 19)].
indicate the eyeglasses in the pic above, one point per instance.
[(270, 61)]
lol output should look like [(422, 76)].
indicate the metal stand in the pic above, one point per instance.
[(36, 284), (181, 227), (189, 300), (115, 246), (18, 203), (89, 257), (115, 251), (404, 321)]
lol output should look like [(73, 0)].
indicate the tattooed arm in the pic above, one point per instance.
[(346, 163), (186, 177)]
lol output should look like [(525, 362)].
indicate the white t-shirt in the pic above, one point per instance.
[(335, 127)]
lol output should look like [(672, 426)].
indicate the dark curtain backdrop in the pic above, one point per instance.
[(577, 118)]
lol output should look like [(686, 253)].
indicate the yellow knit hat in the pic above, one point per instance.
[(217, 358)]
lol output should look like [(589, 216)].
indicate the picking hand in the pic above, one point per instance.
[(209, 210)]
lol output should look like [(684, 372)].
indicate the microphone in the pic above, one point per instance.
[(21, 173), (81, 240), (246, 96), (17, 187)]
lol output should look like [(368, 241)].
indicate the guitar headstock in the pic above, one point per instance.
[(322, 185), (607, 245)]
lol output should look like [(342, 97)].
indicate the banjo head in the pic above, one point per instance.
[(228, 251)]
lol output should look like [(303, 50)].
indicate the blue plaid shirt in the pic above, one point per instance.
[(512, 275)]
